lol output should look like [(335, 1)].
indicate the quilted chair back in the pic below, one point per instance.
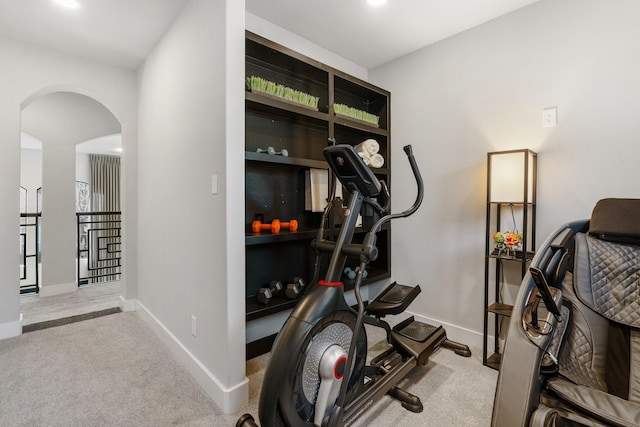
[(602, 350)]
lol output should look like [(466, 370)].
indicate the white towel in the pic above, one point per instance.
[(376, 161), (369, 146), (316, 189), (365, 157)]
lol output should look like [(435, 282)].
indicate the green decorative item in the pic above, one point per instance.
[(258, 84), (354, 113)]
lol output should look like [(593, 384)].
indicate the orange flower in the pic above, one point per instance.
[(512, 240)]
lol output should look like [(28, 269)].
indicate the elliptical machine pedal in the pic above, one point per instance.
[(393, 300), (416, 338)]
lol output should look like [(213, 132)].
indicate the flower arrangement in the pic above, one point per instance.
[(507, 241)]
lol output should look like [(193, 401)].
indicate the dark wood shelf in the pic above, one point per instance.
[(255, 310), (273, 102), (517, 257), (501, 309), (493, 361), (285, 160), (284, 236), (512, 203), (359, 125), (258, 99)]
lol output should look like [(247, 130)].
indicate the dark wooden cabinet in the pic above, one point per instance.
[(275, 184)]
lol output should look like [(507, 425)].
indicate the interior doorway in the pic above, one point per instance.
[(73, 132)]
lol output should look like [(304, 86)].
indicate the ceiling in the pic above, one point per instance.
[(117, 32), (371, 36), (123, 32)]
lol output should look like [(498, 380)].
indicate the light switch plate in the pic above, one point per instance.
[(549, 117)]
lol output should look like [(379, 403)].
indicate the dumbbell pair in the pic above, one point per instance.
[(272, 151), (275, 226), (265, 294), (351, 274), (292, 291)]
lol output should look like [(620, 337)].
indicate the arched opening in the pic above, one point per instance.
[(74, 130)]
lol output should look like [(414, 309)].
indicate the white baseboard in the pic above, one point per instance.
[(58, 289), (11, 329), (229, 400), (127, 304)]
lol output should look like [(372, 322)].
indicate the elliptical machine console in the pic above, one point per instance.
[(316, 374)]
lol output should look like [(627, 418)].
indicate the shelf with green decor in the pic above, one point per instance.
[(289, 106)]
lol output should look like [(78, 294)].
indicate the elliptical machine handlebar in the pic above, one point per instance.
[(416, 204), (370, 239)]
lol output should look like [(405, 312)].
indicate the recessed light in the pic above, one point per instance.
[(376, 2), (69, 4)]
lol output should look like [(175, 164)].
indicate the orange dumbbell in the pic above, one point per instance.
[(275, 226)]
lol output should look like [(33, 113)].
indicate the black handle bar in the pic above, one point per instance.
[(416, 204)]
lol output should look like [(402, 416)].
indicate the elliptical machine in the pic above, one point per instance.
[(316, 374)]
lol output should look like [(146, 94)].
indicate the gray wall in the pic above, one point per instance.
[(28, 72), (191, 242), (484, 90)]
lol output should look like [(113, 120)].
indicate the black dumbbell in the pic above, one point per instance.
[(265, 294), (276, 287), (294, 288)]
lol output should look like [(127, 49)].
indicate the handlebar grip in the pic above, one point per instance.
[(416, 204)]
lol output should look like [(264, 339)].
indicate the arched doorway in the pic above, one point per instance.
[(70, 125)]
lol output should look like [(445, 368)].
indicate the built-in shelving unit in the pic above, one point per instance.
[(275, 184)]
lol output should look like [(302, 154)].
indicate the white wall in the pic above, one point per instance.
[(31, 175), (191, 242), (484, 90), (83, 168), (26, 72), (277, 34)]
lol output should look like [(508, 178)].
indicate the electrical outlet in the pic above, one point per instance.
[(549, 117), (194, 326)]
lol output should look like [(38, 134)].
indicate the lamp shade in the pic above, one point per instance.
[(511, 176)]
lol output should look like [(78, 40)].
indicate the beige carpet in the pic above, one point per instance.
[(113, 371), (108, 371)]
